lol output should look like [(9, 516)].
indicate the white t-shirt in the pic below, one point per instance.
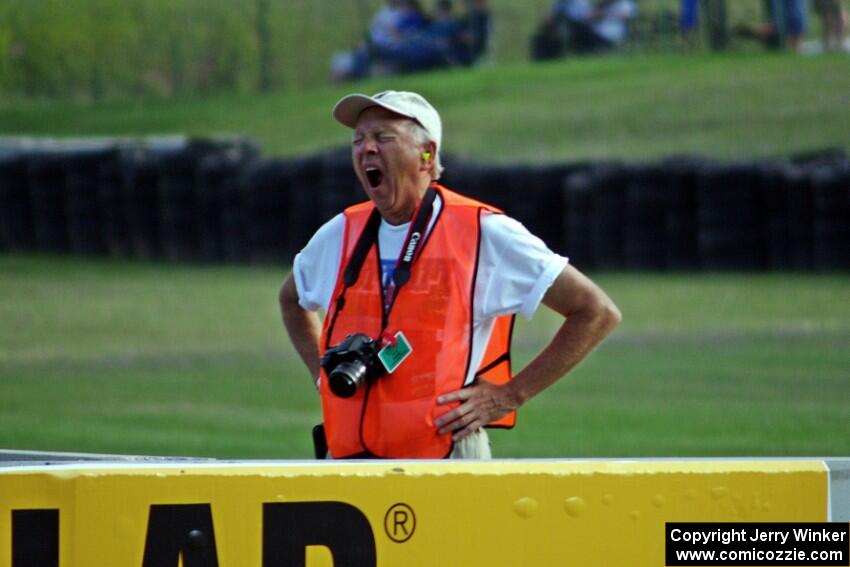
[(515, 268), (611, 25)]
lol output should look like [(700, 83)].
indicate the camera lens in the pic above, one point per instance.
[(347, 377)]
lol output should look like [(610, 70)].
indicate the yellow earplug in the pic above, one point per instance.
[(426, 155)]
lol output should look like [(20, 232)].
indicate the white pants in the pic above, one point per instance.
[(475, 446)]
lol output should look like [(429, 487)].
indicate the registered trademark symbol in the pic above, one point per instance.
[(400, 522)]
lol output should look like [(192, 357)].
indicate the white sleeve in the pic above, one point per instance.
[(621, 10), (315, 268), (515, 269)]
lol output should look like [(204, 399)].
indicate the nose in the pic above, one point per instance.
[(370, 146)]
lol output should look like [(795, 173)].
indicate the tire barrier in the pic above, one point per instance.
[(775, 180), (580, 197), (338, 188), (273, 189), (831, 212), (86, 208), (729, 220), (116, 225), (190, 225), (218, 200), (265, 188), (542, 200), (648, 192), (797, 182), (681, 240), (48, 197), (220, 215), (222, 209), (79, 511), (17, 227), (139, 195), (607, 244)]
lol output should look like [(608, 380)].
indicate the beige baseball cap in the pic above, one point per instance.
[(407, 104)]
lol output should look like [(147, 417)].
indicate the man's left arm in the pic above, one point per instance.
[(590, 316)]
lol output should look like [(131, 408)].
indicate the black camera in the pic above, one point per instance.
[(350, 363)]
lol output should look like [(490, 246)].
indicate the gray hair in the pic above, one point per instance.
[(422, 137)]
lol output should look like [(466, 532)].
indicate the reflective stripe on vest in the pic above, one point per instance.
[(393, 416)]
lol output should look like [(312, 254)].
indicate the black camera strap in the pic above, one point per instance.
[(355, 263), (361, 249), (412, 243)]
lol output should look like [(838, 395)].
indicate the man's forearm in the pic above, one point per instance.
[(575, 339), (303, 327), (590, 317)]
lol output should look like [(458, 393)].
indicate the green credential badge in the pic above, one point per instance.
[(392, 355)]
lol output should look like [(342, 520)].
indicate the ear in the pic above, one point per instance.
[(426, 158)]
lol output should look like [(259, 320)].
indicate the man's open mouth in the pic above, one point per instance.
[(374, 175)]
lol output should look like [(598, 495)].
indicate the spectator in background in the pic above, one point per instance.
[(833, 24), (403, 39), (713, 13), (785, 25), (788, 18), (446, 36), (433, 44), (610, 21), (581, 26), (350, 65), (395, 22), (461, 40), (689, 16), (548, 42), (387, 32), (476, 29), (688, 20)]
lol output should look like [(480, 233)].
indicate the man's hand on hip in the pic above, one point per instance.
[(480, 404)]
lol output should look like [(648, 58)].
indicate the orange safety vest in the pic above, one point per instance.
[(393, 416)]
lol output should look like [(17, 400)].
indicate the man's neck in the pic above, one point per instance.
[(405, 216)]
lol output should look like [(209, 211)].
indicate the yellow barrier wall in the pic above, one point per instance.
[(419, 513)]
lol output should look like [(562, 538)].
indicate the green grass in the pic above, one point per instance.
[(139, 47), (730, 106), (129, 357)]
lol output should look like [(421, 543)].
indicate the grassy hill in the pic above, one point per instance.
[(106, 50), (628, 106)]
